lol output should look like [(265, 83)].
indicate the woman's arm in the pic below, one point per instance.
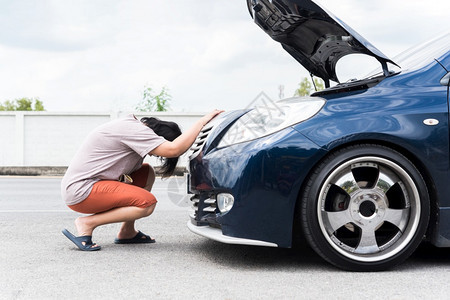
[(182, 143)]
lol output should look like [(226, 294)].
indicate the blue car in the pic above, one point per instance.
[(359, 170)]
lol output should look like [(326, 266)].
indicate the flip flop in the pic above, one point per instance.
[(82, 242), (139, 238)]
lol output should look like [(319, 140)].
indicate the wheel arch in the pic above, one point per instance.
[(421, 167)]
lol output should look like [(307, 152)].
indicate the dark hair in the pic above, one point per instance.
[(169, 131)]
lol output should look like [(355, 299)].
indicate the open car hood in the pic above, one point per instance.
[(313, 36)]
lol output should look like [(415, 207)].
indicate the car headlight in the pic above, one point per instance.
[(267, 119)]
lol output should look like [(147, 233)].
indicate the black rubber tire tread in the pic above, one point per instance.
[(311, 230)]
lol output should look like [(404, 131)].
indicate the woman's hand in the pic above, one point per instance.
[(208, 117)]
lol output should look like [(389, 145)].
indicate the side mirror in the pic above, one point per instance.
[(446, 80)]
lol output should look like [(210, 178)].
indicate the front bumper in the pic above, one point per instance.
[(264, 176), (217, 235)]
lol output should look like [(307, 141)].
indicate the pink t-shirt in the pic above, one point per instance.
[(112, 149)]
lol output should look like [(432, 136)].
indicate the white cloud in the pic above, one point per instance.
[(99, 55), (393, 25)]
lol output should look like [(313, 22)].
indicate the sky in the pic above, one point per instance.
[(100, 55)]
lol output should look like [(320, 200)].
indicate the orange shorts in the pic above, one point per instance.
[(109, 194)]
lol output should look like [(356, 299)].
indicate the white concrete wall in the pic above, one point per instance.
[(8, 140), (51, 139)]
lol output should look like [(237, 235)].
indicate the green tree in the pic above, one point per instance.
[(22, 104), (7, 106), (153, 101), (305, 88), (39, 105)]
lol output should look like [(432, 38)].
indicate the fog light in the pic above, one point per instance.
[(225, 202)]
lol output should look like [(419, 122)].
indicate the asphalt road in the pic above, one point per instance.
[(38, 262)]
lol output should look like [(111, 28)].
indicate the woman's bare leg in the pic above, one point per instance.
[(128, 215), (127, 230), (86, 225), (150, 179)]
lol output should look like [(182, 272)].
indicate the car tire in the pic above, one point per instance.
[(365, 208)]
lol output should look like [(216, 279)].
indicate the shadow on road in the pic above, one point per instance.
[(266, 258), (429, 254)]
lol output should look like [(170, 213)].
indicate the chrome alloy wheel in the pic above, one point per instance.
[(368, 209)]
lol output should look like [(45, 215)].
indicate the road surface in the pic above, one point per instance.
[(38, 262)]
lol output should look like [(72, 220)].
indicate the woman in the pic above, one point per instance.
[(108, 180)]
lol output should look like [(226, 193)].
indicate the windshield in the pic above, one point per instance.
[(421, 55), (417, 57)]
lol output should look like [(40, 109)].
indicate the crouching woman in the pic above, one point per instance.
[(108, 180)]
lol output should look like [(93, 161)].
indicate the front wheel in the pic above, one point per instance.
[(365, 208)]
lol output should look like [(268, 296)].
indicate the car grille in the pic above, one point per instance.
[(197, 147), (203, 211)]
